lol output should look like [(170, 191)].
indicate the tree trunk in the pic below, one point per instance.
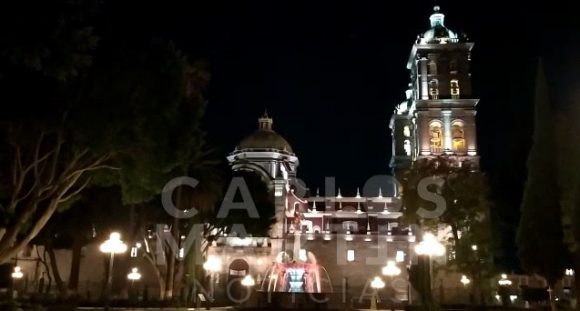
[(161, 281), (576, 259), (73, 281), (170, 275), (54, 269), (551, 287)]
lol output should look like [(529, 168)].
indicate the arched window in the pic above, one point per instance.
[(434, 89), (432, 68), (454, 88), (458, 134), (436, 137), (453, 66), (406, 131)]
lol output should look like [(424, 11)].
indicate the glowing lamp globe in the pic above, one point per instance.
[(113, 245), (248, 281)]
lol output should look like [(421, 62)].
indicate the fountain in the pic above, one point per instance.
[(292, 276)]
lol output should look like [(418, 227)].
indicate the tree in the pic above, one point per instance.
[(465, 213), (568, 168), (130, 117), (539, 227), (75, 227), (207, 200)]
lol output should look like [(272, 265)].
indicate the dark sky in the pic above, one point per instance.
[(330, 73)]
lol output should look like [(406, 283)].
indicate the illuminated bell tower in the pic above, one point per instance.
[(438, 115)]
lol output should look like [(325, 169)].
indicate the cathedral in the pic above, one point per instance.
[(329, 243)]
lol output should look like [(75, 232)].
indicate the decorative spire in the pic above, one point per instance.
[(265, 122), (368, 238), (380, 193), (317, 192), (313, 207), (358, 210), (339, 196), (357, 193)]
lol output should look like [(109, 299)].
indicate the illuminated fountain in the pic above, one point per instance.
[(292, 276)]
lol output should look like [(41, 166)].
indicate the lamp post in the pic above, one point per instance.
[(504, 283), (430, 247), (248, 282), (465, 281), (133, 276), (212, 265), (391, 270), (16, 275), (376, 284), (112, 246)]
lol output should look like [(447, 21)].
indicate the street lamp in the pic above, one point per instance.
[(17, 274), (504, 281), (112, 246), (465, 280), (212, 265), (376, 284), (133, 276), (430, 247), (391, 270), (248, 282)]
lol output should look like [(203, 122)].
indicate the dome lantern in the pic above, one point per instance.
[(265, 138), (438, 33)]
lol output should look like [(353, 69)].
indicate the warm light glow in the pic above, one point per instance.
[(213, 264), (350, 255), (17, 274), (377, 283), (391, 269), (248, 281), (134, 275), (429, 246), (113, 245), (474, 247), (465, 280), (302, 255), (569, 272), (504, 281), (348, 236), (400, 256)]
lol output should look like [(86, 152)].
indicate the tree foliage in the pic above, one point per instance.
[(540, 222), (82, 114), (463, 210)]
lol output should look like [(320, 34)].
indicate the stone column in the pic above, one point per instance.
[(423, 137), (447, 145), (471, 136), (424, 78)]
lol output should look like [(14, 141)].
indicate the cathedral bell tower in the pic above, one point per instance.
[(437, 117)]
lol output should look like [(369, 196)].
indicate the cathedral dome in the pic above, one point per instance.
[(438, 33), (265, 138)]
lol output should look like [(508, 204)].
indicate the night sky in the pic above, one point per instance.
[(330, 73)]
